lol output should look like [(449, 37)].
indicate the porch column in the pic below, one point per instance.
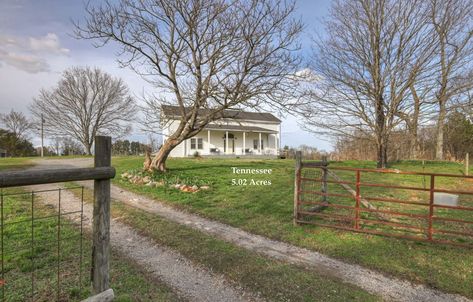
[(244, 143), (275, 144), (226, 142), (259, 143), (208, 142)]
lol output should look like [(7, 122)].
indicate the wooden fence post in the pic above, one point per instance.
[(101, 219), (467, 163), (297, 183), (324, 179)]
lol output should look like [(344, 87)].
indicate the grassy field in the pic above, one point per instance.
[(14, 163), (267, 210), (34, 256), (273, 280), (418, 200)]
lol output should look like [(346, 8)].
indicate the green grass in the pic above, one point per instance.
[(23, 263), (273, 280), (267, 210), (14, 163)]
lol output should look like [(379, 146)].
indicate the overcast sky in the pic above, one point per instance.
[(36, 46)]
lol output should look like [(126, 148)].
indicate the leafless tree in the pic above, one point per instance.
[(203, 54), (86, 102), (453, 24), (17, 123), (366, 66)]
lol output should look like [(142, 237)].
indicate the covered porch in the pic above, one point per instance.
[(236, 140)]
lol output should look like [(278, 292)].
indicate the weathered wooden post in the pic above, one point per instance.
[(324, 179), (297, 183), (467, 163), (101, 219)]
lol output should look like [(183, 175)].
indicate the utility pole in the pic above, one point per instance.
[(42, 136)]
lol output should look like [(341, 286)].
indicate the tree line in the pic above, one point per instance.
[(386, 73), (387, 67), (458, 141)]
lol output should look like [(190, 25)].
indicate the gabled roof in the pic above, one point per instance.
[(174, 111)]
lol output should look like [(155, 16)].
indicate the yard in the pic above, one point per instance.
[(253, 204), (31, 261)]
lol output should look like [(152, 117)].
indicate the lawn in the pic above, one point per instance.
[(266, 209), (9, 163), (32, 259), (271, 279)]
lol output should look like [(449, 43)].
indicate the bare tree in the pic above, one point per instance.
[(453, 24), (17, 123), (374, 52), (85, 103), (204, 55)]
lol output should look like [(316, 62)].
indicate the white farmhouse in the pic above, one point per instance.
[(237, 133)]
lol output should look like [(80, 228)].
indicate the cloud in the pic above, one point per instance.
[(28, 63), (48, 43), (30, 54)]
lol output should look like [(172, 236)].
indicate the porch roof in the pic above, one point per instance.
[(238, 128)]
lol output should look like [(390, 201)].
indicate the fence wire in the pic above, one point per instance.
[(42, 246)]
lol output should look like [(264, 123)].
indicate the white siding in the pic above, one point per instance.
[(270, 141)]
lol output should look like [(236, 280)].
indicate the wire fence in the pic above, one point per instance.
[(44, 256)]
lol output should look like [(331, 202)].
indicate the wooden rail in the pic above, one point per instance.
[(36, 177), (101, 174)]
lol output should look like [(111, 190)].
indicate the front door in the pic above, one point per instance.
[(231, 141)]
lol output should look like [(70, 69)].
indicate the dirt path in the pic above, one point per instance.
[(391, 289), (190, 281)]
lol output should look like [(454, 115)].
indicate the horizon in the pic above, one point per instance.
[(36, 46)]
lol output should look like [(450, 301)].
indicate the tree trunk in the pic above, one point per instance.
[(440, 125), (159, 161), (382, 153), (381, 138), (147, 162), (88, 148), (413, 125)]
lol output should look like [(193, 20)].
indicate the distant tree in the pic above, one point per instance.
[(69, 146), (458, 135), (17, 123), (365, 66), (85, 103), (125, 147), (453, 24), (205, 55), (137, 148), (14, 145)]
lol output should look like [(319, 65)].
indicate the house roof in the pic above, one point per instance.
[(239, 128), (174, 111)]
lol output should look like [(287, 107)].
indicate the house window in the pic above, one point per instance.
[(197, 143)]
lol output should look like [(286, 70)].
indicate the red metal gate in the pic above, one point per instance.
[(432, 207)]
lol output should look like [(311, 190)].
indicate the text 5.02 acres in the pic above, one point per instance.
[(250, 182)]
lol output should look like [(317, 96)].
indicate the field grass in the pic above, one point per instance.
[(33, 257), (273, 280), (9, 163), (267, 210), (419, 200)]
